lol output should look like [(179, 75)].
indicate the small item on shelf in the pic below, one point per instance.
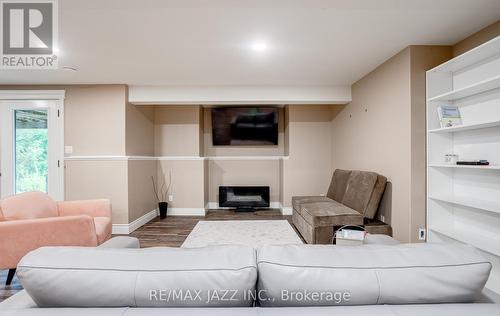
[(473, 163), (451, 159), (449, 116)]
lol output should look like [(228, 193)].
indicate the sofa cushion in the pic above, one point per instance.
[(370, 274), (28, 205), (330, 214), (377, 193), (297, 201), (360, 189), (102, 228), (338, 185), (150, 277)]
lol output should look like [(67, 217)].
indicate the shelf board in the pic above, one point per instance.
[(482, 52), (443, 165), (471, 237), (489, 206), (468, 127), (473, 89)]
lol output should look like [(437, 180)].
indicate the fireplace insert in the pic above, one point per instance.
[(244, 198)]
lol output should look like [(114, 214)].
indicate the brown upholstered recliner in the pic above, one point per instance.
[(352, 196)]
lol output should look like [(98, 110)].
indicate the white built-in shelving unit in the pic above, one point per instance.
[(463, 202)]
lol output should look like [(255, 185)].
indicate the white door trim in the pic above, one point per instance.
[(32, 95), (58, 152)]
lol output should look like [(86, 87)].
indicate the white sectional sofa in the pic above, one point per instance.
[(238, 280)]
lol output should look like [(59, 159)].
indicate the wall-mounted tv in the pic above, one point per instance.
[(244, 126)]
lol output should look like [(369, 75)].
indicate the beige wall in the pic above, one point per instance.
[(477, 39), (383, 130), (308, 169), (140, 132), (373, 133), (422, 58), (210, 150), (94, 119), (178, 133), (141, 199), (188, 181), (95, 125), (177, 130), (140, 137), (99, 180)]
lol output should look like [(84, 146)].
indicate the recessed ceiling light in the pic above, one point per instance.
[(259, 46), (69, 68)]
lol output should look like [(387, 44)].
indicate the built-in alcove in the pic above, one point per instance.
[(300, 164)]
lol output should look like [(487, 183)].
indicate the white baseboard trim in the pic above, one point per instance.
[(286, 210), (186, 211), (125, 229), (215, 205)]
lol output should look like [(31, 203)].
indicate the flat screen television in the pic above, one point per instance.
[(244, 126)]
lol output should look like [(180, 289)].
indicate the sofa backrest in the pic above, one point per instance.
[(364, 191), (338, 184), (284, 275), (150, 277), (370, 275), (28, 205)]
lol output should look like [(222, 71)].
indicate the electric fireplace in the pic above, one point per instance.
[(244, 198)]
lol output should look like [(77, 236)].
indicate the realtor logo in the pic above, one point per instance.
[(29, 34)]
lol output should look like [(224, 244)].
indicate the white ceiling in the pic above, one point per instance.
[(188, 42)]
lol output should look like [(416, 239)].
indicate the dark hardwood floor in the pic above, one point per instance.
[(8, 291), (172, 231), (168, 232)]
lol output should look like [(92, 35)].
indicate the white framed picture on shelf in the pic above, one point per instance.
[(449, 116)]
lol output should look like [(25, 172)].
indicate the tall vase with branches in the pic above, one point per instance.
[(161, 190)]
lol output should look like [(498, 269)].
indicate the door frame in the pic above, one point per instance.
[(43, 95)]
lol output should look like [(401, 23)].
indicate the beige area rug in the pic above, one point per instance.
[(251, 233)]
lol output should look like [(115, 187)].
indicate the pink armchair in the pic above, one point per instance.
[(32, 220)]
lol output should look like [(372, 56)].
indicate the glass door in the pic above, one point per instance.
[(31, 147)]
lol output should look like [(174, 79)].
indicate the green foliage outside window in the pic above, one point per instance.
[(31, 159)]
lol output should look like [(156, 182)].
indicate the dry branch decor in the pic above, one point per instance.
[(162, 190)]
